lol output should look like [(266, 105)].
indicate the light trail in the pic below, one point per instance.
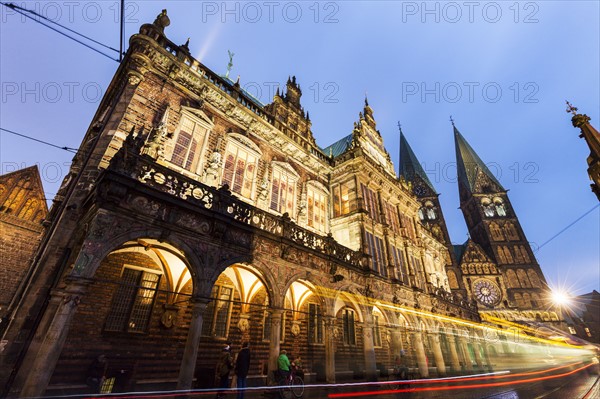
[(456, 387)]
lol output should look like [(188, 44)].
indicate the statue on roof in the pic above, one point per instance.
[(162, 20), (230, 64)]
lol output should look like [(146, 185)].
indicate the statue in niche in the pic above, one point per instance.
[(212, 169), (155, 144)]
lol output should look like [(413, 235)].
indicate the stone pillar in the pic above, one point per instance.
[(468, 363), (453, 354), (396, 342), (51, 347), (330, 349), (478, 359), (276, 319), (369, 347), (190, 353), (437, 355), (420, 352), (486, 356)]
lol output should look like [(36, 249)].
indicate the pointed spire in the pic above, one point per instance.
[(410, 167), (468, 164)]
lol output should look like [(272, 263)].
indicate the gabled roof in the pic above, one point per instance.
[(409, 164), (469, 165), (458, 250), (339, 147), (473, 253), (22, 195)]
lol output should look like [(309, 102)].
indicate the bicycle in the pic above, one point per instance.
[(292, 386), (399, 375)]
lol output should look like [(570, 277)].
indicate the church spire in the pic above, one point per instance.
[(409, 167), (471, 169)]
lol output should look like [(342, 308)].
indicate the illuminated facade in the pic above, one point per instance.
[(194, 215)]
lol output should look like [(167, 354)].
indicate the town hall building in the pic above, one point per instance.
[(194, 215)]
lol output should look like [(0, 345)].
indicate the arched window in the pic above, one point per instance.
[(488, 207), (526, 300), (519, 300), (525, 254), (315, 324), (218, 312), (534, 278), (523, 278), (496, 232), (132, 302), (507, 255), (511, 232), (499, 206), (377, 318), (348, 317), (513, 281)]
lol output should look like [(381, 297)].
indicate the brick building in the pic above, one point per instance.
[(22, 211), (194, 215)]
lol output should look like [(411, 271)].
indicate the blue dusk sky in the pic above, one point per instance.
[(503, 70)]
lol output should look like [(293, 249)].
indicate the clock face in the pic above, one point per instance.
[(420, 190), (486, 292)]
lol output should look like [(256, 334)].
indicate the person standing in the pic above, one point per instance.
[(242, 365), (97, 373), (223, 368)]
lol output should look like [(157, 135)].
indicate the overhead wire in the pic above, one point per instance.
[(65, 148), (24, 11)]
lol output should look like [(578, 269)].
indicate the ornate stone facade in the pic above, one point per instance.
[(194, 215)]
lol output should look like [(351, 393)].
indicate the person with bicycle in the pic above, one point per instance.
[(400, 369), (283, 365)]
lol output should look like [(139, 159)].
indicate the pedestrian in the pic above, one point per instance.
[(97, 373), (223, 369), (242, 365), (297, 366)]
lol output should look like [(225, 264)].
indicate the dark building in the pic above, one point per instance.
[(22, 211)]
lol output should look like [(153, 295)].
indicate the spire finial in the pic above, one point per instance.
[(571, 108), (366, 100), (399, 127), (452, 121)]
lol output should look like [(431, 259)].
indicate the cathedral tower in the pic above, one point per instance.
[(494, 226), (430, 212)]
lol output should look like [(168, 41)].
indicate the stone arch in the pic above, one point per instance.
[(269, 281), (347, 298)]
